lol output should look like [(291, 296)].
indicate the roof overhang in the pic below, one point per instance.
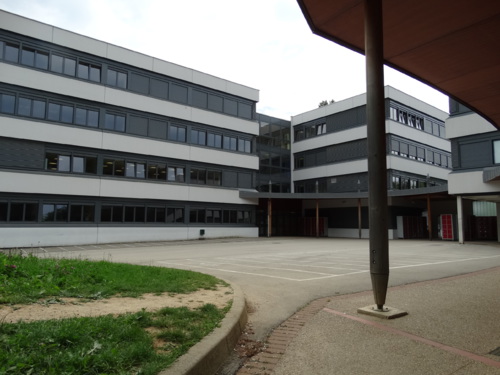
[(451, 45)]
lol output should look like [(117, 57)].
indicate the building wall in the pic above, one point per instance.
[(101, 144)]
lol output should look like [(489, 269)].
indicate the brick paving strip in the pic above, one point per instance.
[(264, 362)]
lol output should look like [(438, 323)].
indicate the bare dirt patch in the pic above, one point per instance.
[(74, 307)]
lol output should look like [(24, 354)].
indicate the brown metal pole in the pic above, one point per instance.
[(377, 164)]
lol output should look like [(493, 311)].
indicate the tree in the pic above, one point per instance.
[(325, 102)]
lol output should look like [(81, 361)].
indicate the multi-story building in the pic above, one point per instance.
[(475, 179), (330, 157), (102, 144)]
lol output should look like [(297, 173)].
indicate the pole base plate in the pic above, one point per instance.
[(387, 312)]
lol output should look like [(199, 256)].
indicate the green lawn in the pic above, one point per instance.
[(138, 343)]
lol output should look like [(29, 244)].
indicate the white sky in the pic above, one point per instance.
[(263, 44)]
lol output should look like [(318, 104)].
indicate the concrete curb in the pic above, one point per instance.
[(210, 353)]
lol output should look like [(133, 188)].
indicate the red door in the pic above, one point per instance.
[(447, 227)]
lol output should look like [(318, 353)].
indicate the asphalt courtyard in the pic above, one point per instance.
[(278, 276)]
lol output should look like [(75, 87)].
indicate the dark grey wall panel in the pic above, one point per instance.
[(476, 155), (139, 83), (230, 179), (215, 103), (346, 120), (178, 93), (157, 129), (230, 107), (245, 180), (245, 110), (138, 125), (159, 89), (200, 99), (21, 154)]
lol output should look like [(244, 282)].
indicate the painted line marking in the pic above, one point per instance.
[(450, 349)]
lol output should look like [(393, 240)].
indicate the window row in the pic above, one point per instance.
[(146, 84), (74, 162), (43, 59), (66, 212), (84, 116), (309, 131), (421, 154), (417, 121), (405, 183)]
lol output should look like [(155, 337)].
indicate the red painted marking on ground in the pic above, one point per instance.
[(460, 352)]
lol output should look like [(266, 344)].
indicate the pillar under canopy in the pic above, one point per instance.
[(377, 164)]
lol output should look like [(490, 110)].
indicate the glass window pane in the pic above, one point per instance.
[(93, 118), (83, 70), (121, 80), (171, 174), (42, 60), (218, 141), (76, 212), (111, 79), (38, 109), (130, 171), (3, 211), (117, 214), (67, 114), (202, 138), (88, 213), (2, 45), (129, 214), (8, 103), (140, 214), (109, 122), (211, 140), (69, 66), (48, 212), (179, 215), (24, 107), (181, 134), (107, 167), (28, 56), (54, 112), (51, 161), (120, 123), (140, 170), (78, 164), (61, 212), (63, 163), (80, 116), (16, 212), (91, 165), (11, 52), (31, 212), (119, 168), (179, 177), (95, 73), (106, 212), (56, 63), (233, 144)]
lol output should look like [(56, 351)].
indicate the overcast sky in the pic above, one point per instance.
[(263, 44)]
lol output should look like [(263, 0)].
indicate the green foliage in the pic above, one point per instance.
[(29, 278), (104, 345)]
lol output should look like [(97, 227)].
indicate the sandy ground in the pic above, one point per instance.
[(73, 307)]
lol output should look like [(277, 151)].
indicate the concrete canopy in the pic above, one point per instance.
[(451, 45)]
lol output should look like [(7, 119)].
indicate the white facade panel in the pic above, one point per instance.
[(417, 167), (45, 132), (34, 183), (471, 183), (66, 236), (467, 124), (330, 139), (70, 39), (233, 159), (331, 170), (25, 26), (405, 131)]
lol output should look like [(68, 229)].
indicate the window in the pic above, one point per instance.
[(3, 211), (299, 135), (63, 65), (198, 176), (70, 163), (7, 104), (31, 107), (244, 145), (82, 213), (197, 215), (214, 178), (214, 216), (86, 117), (60, 113), (135, 170), (175, 174), (55, 212), (35, 58), (157, 172), (230, 216), (114, 122), (214, 140), (320, 129), (177, 133), (11, 52), (396, 182), (89, 71), (175, 215), (230, 143), (117, 78), (135, 214), (23, 212), (155, 215), (112, 214), (112, 167), (198, 137)]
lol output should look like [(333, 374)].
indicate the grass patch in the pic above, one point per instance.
[(138, 343), (25, 279)]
